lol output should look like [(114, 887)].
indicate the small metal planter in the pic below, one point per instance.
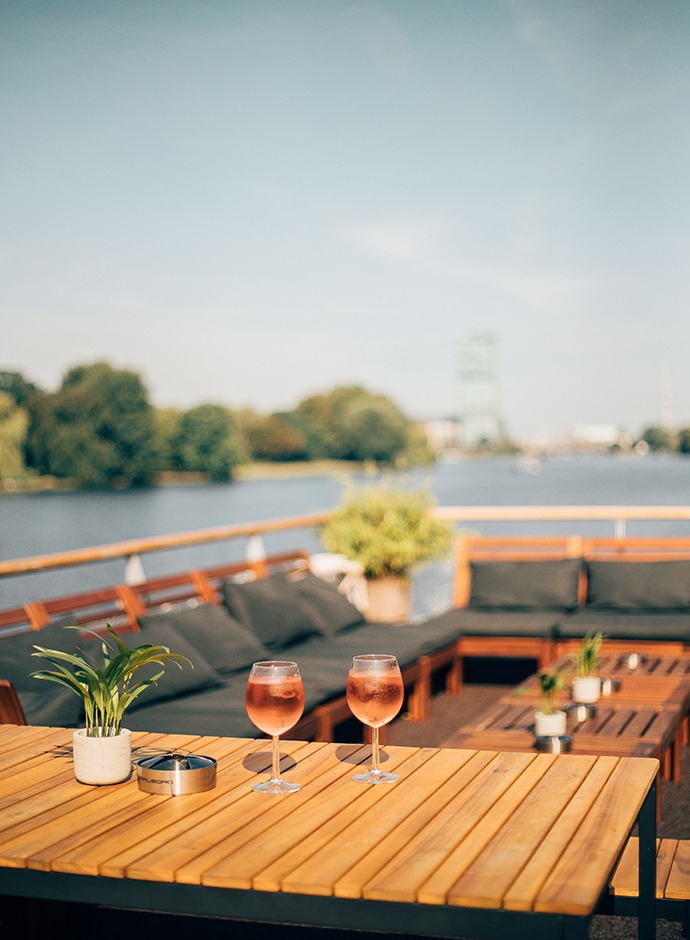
[(581, 711), (175, 773), (554, 744), (609, 685)]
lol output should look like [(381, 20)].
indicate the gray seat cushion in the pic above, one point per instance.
[(217, 711), (634, 624), (506, 622)]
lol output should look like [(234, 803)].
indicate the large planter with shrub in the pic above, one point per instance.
[(389, 531)]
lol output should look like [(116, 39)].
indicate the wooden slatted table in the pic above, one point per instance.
[(468, 843), (646, 715), (617, 728)]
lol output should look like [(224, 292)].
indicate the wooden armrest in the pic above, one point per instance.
[(11, 711)]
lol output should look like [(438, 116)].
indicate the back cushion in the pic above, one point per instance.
[(272, 609), (551, 583), (651, 585), (180, 678), (17, 661), (220, 639), (331, 606)]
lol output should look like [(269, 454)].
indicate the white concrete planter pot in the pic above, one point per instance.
[(102, 760), (586, 689), (388, 600), (548, 726)]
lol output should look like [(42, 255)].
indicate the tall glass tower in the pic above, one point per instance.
[(478, 407)]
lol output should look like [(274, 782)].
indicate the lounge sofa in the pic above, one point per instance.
[(537, 598), (223, 624)]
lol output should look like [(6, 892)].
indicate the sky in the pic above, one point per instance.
[(253, 201)]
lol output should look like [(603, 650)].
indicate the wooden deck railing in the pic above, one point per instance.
[(132, 550)]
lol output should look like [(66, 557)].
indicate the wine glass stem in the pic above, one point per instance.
[(375, 749), (276, 757)]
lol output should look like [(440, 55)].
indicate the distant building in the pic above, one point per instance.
[(479, 420), (599, 437), (442, 435)]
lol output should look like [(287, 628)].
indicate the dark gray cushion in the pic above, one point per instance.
[(272, 609), (220, 639), (627, 624), (178, 679), (552, 583), (639, 584), (334, 611), (218, 711), (503, 622), (52, 705), (17, 662)]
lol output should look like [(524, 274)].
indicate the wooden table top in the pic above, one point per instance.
[(462, 828), (661, 681)]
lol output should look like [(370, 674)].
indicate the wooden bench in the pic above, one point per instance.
[(672, 881)]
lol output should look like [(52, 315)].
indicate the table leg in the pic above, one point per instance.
[(646, 915)]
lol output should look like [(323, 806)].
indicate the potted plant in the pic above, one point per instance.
[(586, 684), (388, 530), (549, 720), (107, 687)]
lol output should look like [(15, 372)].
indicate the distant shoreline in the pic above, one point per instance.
[(252, 471)]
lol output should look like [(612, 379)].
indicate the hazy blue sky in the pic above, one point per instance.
[(249, 201)]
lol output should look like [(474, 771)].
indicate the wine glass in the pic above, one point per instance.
[(375, 696), (275, 702)]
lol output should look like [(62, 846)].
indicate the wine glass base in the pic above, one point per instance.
[(376, 776), (276, 785)]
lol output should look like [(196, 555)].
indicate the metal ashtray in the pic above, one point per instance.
[(554, 744), (581, 710), (175, 773), (633, 660)]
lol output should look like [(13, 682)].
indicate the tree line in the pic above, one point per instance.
[(99, 429)]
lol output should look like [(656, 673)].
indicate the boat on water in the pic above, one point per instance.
[(526, 464)]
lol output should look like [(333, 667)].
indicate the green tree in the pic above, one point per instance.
[(17, 386), (659, 438), (272, 437), (684, 441), (97, 429), (208, 442), (351, 423), (373, 429), (166, 427), (14, 423)]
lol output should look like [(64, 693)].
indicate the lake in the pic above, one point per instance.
[(42, 523)]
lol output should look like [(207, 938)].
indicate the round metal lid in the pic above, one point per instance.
[(176, 761)]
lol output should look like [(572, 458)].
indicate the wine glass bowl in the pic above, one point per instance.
[(275, 701), (375, 696)]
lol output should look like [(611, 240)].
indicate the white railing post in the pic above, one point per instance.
[(256, 550), (620, 529), (134, 570)]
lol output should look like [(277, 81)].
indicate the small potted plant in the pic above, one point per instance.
[(586, 684), (388, 530), (549, 720), (103, 748)]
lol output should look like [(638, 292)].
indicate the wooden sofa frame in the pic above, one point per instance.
[(122, 605)]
